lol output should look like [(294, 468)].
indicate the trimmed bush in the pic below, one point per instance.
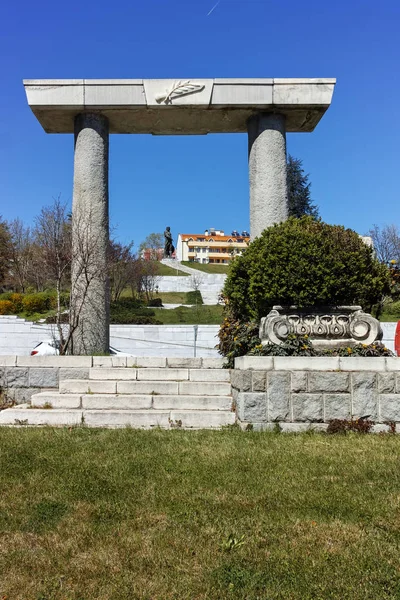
[(156, 302), (128, 303), (17, 302), (194, 297), (6, 307), (131, 311), (39, 303), (123, 318), (304, 262)]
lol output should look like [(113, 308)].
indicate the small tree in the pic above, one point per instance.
[(299, 195), (21, 255), (53, 236), (120, 261), (153, 242), (150, 278), (5, 251), (386, 242), (196, 281)]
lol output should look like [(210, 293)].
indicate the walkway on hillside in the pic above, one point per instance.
[(176, 264), (209, 284)]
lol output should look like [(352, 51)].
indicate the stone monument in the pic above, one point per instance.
[(91, 109)]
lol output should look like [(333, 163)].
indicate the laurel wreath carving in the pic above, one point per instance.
[(180, 88)]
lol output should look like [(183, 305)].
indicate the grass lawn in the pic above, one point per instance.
[(172, 297), (126, 515), (165, 270), (194, 315), (207, 268), (167, 297), (384, 318)]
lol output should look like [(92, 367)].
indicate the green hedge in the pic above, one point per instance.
[(131, 311), (194, 297)]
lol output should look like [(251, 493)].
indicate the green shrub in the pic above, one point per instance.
[(6, 307), (65, 299), (304, 262), (128, 303), (127, 318), (15, 299), (17, 302), (375, 349), (237, 339), (392, 308), (39, 303), (295, 345), (194, 297)]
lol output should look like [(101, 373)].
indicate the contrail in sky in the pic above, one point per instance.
[(213, 8)]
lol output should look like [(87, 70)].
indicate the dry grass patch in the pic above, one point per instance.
[(117, 515)]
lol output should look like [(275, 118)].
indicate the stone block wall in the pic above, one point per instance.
[(23, 376), (298, 393)]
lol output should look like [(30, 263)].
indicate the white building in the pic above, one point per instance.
[(212, 246)]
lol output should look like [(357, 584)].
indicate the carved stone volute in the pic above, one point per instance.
[(325, 326)]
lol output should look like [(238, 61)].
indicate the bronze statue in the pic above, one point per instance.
[(168, 246)]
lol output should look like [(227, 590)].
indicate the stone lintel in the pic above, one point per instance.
[(197, 106)]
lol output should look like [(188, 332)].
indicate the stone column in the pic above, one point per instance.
[(90, 318), (267, 171)]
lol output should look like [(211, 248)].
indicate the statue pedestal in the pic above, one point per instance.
[(326, 326)]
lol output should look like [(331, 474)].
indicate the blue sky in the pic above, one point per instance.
[(193, 183)]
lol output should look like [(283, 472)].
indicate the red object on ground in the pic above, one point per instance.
[(397, 339)]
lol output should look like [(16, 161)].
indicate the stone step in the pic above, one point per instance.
[(141, 419), (159, 374), (165, 419), (199, 403), (56, 400), (24, 415), (152, 388), (116, 402), (130, 402), (127, 418)]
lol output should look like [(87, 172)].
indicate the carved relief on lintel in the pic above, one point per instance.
[(179, 89), (178, 92)]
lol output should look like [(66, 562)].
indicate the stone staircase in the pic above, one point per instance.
[(187, 398)]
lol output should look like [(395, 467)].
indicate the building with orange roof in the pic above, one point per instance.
[(212, 246)]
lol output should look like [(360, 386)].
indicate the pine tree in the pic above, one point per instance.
[(299, 195)]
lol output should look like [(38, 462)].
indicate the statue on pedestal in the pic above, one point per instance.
[(168, 246)]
